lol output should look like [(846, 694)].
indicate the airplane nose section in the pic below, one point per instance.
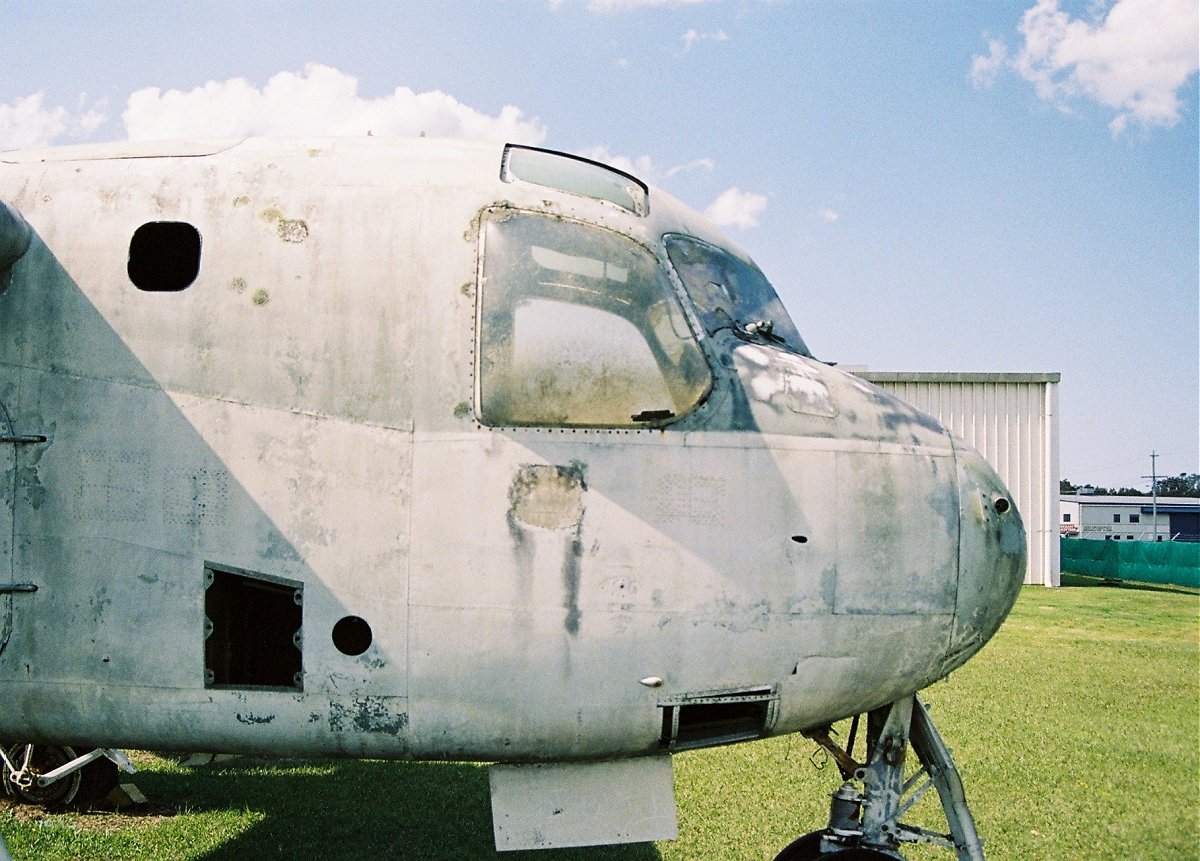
[(991, 555)]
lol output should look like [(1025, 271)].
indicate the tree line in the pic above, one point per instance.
[(1184, 484)]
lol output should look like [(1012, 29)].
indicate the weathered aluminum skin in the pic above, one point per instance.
[(307, 410)]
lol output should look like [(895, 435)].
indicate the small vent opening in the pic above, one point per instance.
[(252, 631), (705, 720)]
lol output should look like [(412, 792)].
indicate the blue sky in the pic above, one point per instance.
[(933, 185)]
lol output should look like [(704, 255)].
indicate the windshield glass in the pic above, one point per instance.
[(730, 293), (580, 327)]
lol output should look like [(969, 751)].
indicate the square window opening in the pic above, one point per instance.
[(252, 630)]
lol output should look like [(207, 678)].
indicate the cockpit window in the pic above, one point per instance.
[(579, 327), (733, 294), (575, 175)]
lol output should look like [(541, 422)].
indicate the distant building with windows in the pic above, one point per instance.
[(1129, 518)]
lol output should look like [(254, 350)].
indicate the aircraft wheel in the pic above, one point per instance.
[(45, 758), (808, 848)]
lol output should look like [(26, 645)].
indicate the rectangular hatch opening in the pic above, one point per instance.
[(252, 630), (714, 718)]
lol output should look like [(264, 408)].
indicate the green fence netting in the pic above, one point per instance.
[(1174, 562)]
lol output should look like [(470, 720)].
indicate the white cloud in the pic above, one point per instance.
[(736, 208), (626, 5), (643, 167), (26, 122), (691, 37), (985, 69), (696, 164), (1134, 58), (319, 101), (829, 215)]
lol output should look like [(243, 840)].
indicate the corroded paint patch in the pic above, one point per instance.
[(547, 497), (369, 714), (292, 229)]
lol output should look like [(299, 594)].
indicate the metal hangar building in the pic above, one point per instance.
[(1012, 420)]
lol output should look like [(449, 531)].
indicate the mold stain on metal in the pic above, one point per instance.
[(31, 485), (550, 497), (571, 583)]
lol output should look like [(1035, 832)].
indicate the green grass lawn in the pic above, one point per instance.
[(1077, 731)]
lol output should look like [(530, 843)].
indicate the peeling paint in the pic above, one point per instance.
[(548, 497), (251, 718), (369, 714), (293, 229)]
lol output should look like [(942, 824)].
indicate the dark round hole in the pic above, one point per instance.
[(800, 539), (352, 635), (1002, 505)]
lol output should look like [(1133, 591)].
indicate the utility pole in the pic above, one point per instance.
[(1153, 476)]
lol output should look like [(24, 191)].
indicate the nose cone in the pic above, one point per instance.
[(991, 555)]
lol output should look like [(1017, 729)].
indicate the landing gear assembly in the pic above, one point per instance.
[(864, 824), (54, 776)]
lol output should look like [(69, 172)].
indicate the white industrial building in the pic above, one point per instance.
[(1130, 518), (1012, 420)]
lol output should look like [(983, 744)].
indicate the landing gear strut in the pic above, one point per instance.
[(866, 824), (55, 776)]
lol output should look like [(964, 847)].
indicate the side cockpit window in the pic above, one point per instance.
[(579, 327), (164, 256), (731, 293)]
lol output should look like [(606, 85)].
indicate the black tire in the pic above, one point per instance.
[(808, 848), (45, 758)]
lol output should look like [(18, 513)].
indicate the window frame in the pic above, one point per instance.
[(671, 291)]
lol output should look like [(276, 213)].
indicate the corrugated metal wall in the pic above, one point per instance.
[(1012, 419)]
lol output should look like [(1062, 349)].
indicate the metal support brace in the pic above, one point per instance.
[(883, 777), (871, 819), (887, 795), (936, 757), (21, 776)]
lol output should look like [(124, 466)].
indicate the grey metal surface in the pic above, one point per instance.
[(796, 547)]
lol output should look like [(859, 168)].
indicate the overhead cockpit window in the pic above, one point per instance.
[(579, 327), (732, 294), (575, 175), (164, 256)]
